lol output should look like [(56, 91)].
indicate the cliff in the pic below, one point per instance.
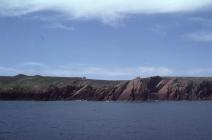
[(22, 87)]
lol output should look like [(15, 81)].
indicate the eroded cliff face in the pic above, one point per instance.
[(139, 89)]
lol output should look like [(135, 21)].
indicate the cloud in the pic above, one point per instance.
[(35, 68), (107, 11), (200, 36), (95, 72), (150, 71), (200, 71), (61, 27), (8, 70), (159, 29), (124, 71), (203, 22), (33, 64)]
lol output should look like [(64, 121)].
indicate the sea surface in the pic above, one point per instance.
[(82, 120)]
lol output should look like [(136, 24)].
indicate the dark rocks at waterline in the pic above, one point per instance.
[(140, 89)]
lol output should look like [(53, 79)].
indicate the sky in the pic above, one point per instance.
[(110, 39)]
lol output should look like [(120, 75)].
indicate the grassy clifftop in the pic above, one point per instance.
[(41, 83)]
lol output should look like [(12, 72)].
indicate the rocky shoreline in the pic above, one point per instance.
[(22, 87)]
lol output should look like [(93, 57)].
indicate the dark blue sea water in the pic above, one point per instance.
[(81, 120)]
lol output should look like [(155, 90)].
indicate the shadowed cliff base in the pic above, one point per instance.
[(22, 87)]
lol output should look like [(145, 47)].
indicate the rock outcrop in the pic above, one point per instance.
[(24, 87)]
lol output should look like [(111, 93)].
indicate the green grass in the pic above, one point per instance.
[(42, 83)]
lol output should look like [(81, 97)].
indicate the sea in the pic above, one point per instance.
[(93, 120)]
